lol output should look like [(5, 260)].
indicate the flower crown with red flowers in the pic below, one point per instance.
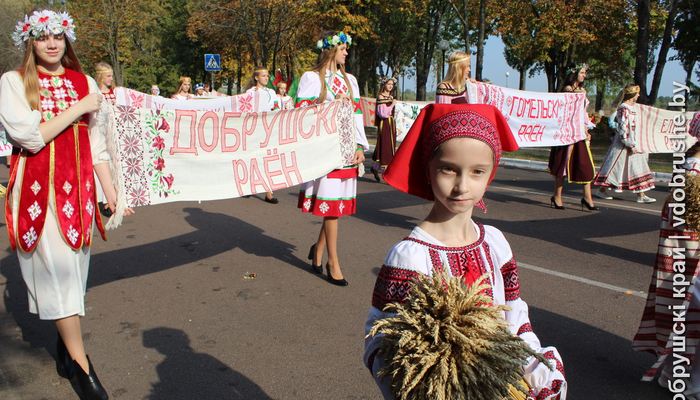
[(41, 23)]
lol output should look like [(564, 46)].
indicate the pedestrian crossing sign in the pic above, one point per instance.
[(212, 62)]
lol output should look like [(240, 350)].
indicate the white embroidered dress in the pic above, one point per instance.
[(55, 274), (421, 253), (621, 169), (335, 194), (269, 98)]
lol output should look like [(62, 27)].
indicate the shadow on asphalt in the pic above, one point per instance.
[(186, 374), (206, 241), (373, 207), (598, 364), (215, 234), (580, 230)]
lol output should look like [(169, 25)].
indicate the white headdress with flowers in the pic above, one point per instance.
[(41, 23), (332, 41)]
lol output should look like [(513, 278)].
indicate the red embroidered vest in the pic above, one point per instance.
[(110, 97), (63, 167)]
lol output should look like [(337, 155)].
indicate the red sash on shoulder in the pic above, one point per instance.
[(63, 167)]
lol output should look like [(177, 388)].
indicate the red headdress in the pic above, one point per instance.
[(436, 124)]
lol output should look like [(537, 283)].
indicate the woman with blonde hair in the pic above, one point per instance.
[(453, 89), (49, 108), (184, 89), (333, 195), (286, 102), (258, 83), (624, 167), (104, 76)]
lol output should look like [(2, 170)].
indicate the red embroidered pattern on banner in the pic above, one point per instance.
[(131, 155)]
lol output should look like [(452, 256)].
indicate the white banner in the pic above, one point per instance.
[(536, 119), (245, 103), (182, 155), (405, 113), (5, 146), (656, 127)]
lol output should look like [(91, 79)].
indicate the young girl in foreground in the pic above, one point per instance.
[(49, 109), (450, 156)]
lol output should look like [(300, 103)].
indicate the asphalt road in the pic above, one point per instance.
[(171, 315)]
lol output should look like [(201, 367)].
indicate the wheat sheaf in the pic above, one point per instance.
[(447, 342)]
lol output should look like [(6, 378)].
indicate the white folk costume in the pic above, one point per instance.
[(52, 209), (490, 253), (272, 99), (421, 253), (110, 97), (286, 102), (333, 195), (621, 169), (179, 96), (664, 311)]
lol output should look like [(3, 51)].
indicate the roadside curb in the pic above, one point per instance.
[(543, 166)]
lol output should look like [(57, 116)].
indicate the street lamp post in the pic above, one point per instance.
[(444, 45), (507, 75)]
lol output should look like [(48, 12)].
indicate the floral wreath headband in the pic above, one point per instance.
[(576, 68), (41, 23), (332, 41), (387, 79)]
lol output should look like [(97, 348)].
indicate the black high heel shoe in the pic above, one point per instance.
[(316, 268), (588, 206), (64, 366), (337, 282), (376, 174), (89, 384), (554, 204)]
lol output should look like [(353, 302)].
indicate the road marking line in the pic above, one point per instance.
[(574, 199), (583, 280)]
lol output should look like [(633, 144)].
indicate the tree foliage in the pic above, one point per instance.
[(156, 41), (13, 11)]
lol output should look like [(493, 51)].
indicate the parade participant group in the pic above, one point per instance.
[(54, 115)]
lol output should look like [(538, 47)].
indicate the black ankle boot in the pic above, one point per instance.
[(64, 366), (89, 384)]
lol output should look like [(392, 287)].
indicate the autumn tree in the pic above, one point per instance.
[(13, 11), (108, 29), (563, 32), (651, 16), (687, 40)]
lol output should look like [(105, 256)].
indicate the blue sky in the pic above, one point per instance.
[(495, 68)]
